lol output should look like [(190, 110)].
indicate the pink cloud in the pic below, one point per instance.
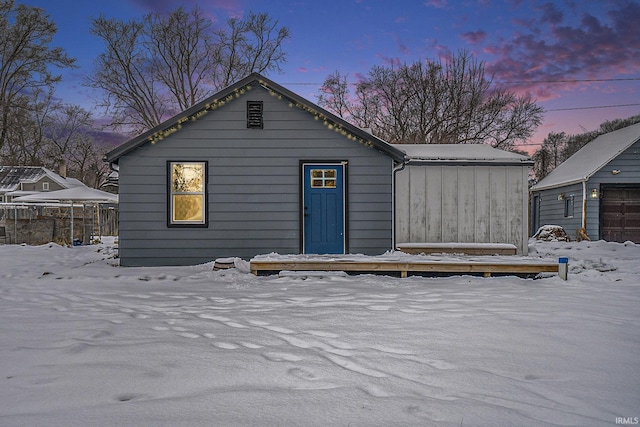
[(403, 47), (440, 4), (474, 37), (551, 14), (232, 7), (552, 48), (389, 61)]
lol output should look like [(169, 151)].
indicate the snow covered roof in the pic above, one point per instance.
[(78, 193), (12, 176), (590, 158), (472, 153)]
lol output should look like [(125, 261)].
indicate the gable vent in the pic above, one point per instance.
[(254, 114)]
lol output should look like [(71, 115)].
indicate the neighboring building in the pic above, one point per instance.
[(462, 193), (16, 181), (257, 169), (598, 189)]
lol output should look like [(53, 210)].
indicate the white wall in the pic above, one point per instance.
[(467, 204)]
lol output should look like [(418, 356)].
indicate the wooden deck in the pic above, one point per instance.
[(404, 266)]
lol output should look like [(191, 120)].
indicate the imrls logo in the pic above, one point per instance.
[(628, 421)]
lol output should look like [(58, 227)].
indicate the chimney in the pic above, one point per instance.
[(63, 168)]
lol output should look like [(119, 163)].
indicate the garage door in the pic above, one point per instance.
[(620, 214)]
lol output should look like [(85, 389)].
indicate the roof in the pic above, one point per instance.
[(12, 176), (460, 153), (228, 94), (74, 194), (590, 158)]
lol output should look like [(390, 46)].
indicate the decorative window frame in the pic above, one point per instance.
[(45, 186), (171, 194)]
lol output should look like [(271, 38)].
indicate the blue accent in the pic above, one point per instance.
[(323, 212), (563, 260)]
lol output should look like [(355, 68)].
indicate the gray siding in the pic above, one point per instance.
[(552, 209), (253, 189), (628, 163), (469, 204)]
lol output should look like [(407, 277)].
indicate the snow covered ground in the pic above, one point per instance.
[(84, 342)]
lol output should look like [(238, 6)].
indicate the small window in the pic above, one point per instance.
[(187, 193), (45, 186), (323, 178), (568, 207), (254, 115)]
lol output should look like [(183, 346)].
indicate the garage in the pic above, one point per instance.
[(603, 177), (620, 214)]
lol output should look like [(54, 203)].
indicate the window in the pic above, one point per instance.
[(45, 186), (254, 115), (187, 193), (323, 178), (568, 206)]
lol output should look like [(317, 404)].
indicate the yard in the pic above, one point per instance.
[(85, 342)]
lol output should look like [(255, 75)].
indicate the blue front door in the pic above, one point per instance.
[(323, 208)]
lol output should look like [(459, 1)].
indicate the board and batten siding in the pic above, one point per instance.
[(467, 204), (253, 186)]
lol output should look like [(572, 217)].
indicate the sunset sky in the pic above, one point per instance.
[(579, 58)]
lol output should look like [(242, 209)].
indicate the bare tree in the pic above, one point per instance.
[(252, 44), (50, 134), (26, 143), (437, 102), (178, 53), (66, 128), (124, 74), (163, 64), (86, 160), (550, 154), (26, 59)]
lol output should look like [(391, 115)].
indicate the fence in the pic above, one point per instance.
[(37, 224)]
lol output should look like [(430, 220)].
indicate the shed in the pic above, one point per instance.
[(465, 193), (598, 189), (253, 169)]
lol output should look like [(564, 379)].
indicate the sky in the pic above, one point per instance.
[(579, 59), (87, 343)]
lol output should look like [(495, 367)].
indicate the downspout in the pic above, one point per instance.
[(396, 169), (584, 205)]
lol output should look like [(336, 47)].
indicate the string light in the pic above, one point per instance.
[(217, 103)]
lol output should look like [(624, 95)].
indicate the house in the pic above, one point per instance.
[(257, 169), (598, 189), (462, 193), (16, 181)]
